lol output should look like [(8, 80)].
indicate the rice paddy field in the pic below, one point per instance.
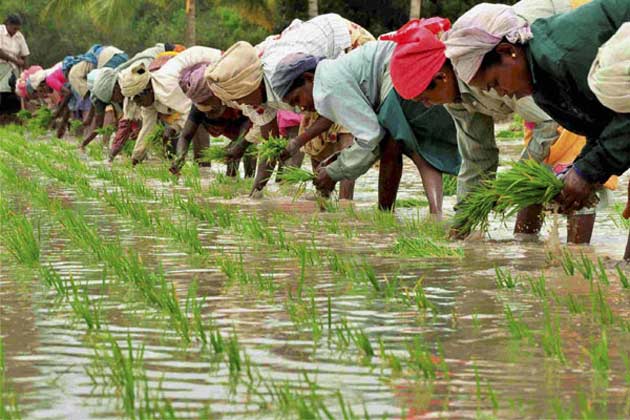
[(128, 293)]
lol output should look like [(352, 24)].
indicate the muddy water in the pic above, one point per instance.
[(490, 373)]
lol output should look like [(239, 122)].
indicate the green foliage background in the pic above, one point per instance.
[(220, 23)]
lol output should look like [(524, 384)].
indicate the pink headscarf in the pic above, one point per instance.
[(418, 56), (22, 83), (193, 83)]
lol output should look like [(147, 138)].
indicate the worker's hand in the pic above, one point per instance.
[(292, 148), (323, 182), (174, 169), (236, 151), (19, 62), (576, 194)]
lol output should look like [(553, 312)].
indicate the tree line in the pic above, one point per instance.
[(55, 28)]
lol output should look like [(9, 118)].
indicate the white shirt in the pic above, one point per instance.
[(324, 36), (14, 45)]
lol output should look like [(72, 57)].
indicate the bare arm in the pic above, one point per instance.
[(100, 120), (183, 144)]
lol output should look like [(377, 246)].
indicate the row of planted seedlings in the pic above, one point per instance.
[(601, 313), (257, 231), (123, 369), (357, 335), (361, 341), (550, 341)]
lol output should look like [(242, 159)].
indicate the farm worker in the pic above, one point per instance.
[(211, 113), (14, 54), (244, 75), (105, 90), (573, 85), (160, 96), (421, 71), (75, 70), (355, 91)]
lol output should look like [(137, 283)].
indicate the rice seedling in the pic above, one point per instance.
[(449, 185), (39, 121), (623, 278), (473, 212), (568, 262), (586, 267), (214, 153), (8, 398), (421, 360), (293, 175), (19, 237), (504, 278), (75, 126), (52, 279), (574, 305), (418, 297), (600, 308), (24, 115), (271, 148), (550, 340), (362, 342), (185, 233), (526, 183), (84, 308), (411, 202), (518, 329), (617, 216), (625, 357), (599, 355), (421, 247), (601, 272), (95, 151), (106, 130), (233, 352), (297, 176)]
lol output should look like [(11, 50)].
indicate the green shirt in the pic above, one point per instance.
[(560, 56)]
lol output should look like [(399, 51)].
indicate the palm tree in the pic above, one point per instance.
[(111, 14), (415, 10), (312, 8), (191, 22)]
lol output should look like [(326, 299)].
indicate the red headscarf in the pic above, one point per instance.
[(418, 56)]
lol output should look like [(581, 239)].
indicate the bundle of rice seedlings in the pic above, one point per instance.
[(107, 130), (252, 151), (214, 153), (40, 120), (472, 213), (449, 185), (293, 175), (272, 147), (526, 183), (24, 115)]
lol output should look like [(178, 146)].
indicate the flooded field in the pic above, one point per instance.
[(129, 293)]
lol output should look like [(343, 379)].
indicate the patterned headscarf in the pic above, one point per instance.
[(478, 31)]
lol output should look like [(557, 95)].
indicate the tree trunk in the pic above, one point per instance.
[(312, 9), (415, 9), (191, 31)]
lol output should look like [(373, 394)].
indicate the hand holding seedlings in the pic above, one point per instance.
[(576, 194), (292, 148)]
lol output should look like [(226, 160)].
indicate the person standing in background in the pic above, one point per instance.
[(14, 53)]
